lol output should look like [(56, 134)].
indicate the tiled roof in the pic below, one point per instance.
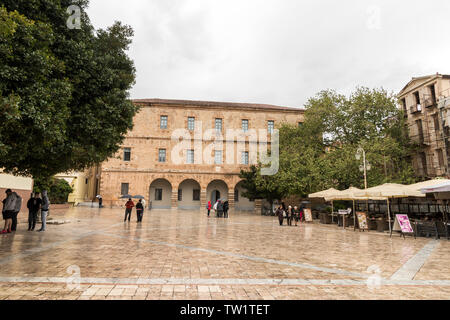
[(216, 104)]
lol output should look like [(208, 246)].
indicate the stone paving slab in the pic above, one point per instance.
[(185, 255)]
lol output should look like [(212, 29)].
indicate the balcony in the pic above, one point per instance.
[(428, 102), (415, 108)]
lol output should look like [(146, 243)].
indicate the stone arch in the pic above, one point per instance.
[(216, 188), (164, 188), (188, 194), (240, 202)]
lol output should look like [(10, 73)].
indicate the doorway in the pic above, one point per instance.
[(215, 195)]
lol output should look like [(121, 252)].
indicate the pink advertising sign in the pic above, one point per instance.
[(404, 223)]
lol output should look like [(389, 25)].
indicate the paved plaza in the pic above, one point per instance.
[(186, 255)]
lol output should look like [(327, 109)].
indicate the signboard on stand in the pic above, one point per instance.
[(402, 224), (308, 215), (362, 221)]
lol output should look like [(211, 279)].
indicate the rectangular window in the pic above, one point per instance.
[(190, 156), (191, 123), (163, 122), (162, 155), (417, 97), (126, 154), (270, 126), (244, 125), (236, 195), (180, 194), (124, 188), (436, 125), (420, 130), (403, 101), (440, 158), (300, 124), (433, 94), (244, 158), (196, 195), (218, 125), (158, 194), (218, 157), (423, 159)]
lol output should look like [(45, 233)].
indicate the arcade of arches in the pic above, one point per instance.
[(186, 193)]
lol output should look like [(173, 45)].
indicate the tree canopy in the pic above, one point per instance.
[(321, 153), (63, 92)]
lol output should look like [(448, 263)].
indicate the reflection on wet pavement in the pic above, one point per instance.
[(186, 255)]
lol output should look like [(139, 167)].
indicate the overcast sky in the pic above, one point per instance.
[(278, 51)]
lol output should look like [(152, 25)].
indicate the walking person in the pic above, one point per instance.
[(11, 207), (289, 216), (128, 207), (139, 210), (220, 209), (280, 213), (301, 213), (208, 207), (215, 208), (45, 207), (100, 201), (33, 205), (226, 207), (296, 213)]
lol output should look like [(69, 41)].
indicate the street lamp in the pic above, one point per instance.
[(365, 166)]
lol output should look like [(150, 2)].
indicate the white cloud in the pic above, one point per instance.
[(278, 52)]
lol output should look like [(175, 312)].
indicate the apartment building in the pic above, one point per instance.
[(205, 166), (426, 104)]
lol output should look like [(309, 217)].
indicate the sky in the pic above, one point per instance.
[(279, 52)]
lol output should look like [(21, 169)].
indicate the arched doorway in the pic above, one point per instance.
[(161, 194), (240, 202), (217, 189), (189, 195)]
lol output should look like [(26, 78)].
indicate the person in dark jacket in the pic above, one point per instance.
[(280, 213), (139, 210), (220, 209), (11, 208), (45, 207), (33, 205), (128, 207), (226, 207)]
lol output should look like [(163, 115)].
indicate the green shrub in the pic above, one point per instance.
[(58, 189)]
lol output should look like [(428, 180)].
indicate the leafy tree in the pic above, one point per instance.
[(321, 153), (58, 189), (259, 186), (63, 92)]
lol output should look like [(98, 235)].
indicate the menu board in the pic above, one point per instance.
[(362, 220), (402, 223), (308, 215)]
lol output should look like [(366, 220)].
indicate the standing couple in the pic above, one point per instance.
[(34, 205)]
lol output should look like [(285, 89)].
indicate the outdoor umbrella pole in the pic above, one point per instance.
[(389, 215), (332, 210), (354, 216)]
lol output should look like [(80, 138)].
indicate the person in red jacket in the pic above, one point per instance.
[(128, 207), (208, 207)]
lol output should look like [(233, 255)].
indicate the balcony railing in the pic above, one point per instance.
[(428, 101), (415, 108)]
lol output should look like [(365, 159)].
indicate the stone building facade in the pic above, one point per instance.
[(219, 139), (426, 102)]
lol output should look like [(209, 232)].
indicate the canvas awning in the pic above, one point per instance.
[(441, 187), (384, 191), (322, 194)]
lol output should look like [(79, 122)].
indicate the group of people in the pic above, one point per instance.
[(12, 205), (139, 210), (220, 207), (290, 214)]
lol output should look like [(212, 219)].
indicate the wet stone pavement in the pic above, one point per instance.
[(186, 255)]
